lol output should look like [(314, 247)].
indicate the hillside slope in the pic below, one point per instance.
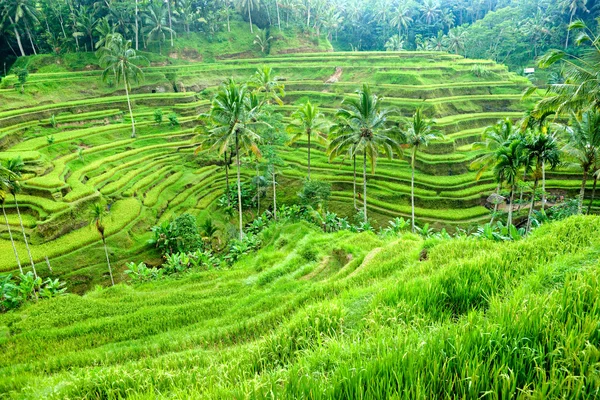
[(329, 316)]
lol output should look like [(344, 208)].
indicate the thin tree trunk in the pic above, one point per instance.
[(170, 22), (129, 104), (589, 210), (531, 205), (108, 261), (31, 40), (227, 181), (308, 134), (495, 204), (522, 190), (25, 238), (543, 186), (278, 17), (365, 185), (510, 206), (228, 25), (12, 241), (17, 36), (257, 191), (354, 182), (137, 28), (239, 185), (568, 31), (250, 17), (582, 192), (412, 189), (274, 197)]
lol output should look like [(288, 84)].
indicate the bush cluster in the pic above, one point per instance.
[(14, 292)]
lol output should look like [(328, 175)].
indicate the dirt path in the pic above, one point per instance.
[(336, 76)]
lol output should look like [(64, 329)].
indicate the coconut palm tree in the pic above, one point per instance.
[(248, 6), (339, 147), (265, 82), (5, 188), (86, 23), (97, 215), (395, 43), (402, 17), (156, 18), (309, 121), (366, 128), (543, 150), (419, 133), (234, 116), (17, 13), (456, 39), (15, 166), (430, 11), (573, 6), (119, 62), (510, 158), (582, 143), (493, 138)]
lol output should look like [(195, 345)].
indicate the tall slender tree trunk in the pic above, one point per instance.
[(112, 281), (12, 241), (228, 24), (308, 134), (274, 197), (589, 210), (257, 191), (412, 188), (495, 204), (354, 181), (510, 206), (250, 16), (129, 104), (582, 192), (137, 28), (522, 190), (365, 185), (239, 185), (531, 205), (31, 40), (227, 181), (170, 22), (25, 238), (568, 31), (278, 17), (543, 186), (17, 36)]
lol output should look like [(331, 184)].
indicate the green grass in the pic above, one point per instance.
[(329, 316)]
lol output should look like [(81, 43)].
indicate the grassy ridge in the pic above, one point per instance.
[(326, 316)]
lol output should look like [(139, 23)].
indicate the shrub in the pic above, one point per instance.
[(15, 292), (315, 193), (141, 273), (178, 236), (173, 120), (158, 116), (50, 139)]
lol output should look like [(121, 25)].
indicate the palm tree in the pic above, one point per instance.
[(248, 6), (430, 11), (86, 22), (367, 129), (97, 214), (456, 39), (338, 147), (402, 19), (543, 148), (234, 115), (573, 6), (419, 133), (309, 121), (582, 143), (265, 82), (105, 31), (5, 188), (156, 19), (171, 31), (15, 167), (18, 12), (510, 158), (119, 61), (395, 43), (493, 138)]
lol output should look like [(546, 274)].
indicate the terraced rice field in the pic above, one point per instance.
[(89, 153)]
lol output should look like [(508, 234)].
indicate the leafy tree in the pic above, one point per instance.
[(234, 117), (22, 75), (98, 213), (119, 62), (367, 129), (418, 134), (309, 121), (315, 194)]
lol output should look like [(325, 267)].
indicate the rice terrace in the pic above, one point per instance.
[(302, 199)]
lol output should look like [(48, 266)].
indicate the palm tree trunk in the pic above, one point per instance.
[(250, 16), (278, 17), (25, 238), (308, 134), (12, 241), (531, 205), (354, 182), (543, 185), (17, 36), (257, 191), (593, 194), (412, 189), (510, 206), (227, 181), (274, 197), (170, 21), (522, 190), (365, 185), (31, 40), (228, 24), (129, 103), (495, 204), (582, 192), (239, 185), (568, 31), (137, 28), (108, 261)]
